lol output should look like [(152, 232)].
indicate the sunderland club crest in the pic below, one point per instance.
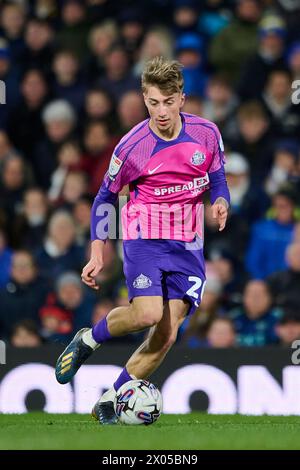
[(198, 158)]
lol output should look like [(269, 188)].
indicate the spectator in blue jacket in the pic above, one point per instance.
[(256, 319), (271, 236)]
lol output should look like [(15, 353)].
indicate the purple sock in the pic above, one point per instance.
[(100, 331), (122, 379)]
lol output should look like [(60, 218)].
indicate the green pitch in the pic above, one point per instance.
[(192, 431)]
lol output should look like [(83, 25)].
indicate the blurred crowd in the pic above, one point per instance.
[(72, 75)]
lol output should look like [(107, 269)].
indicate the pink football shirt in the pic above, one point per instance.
[(167, 179)]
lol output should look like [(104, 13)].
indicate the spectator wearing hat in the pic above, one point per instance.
[(288, 328), (285, 284), (284, 167), (189, 52), (234, 44), (66, 309), (271, 236), (256, 319), (59, 119), (268, 57)]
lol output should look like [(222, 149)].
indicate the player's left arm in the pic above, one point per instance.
[(219, 193)]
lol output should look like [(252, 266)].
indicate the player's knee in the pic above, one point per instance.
[(148, 317)]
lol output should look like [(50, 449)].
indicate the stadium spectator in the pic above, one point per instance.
[(231, 47), (118, 78), (74, 29), (232, 276), (276, 98), (220, 102), (75, 186), (288, 328), (25, 125), (256, 319), (29, 227), (98, 149), (132, 23), (267, 58), (271, 236), (5, 259), (99, 105), (284, 167), (23, 295), (60, 251), (59, 119), (25, 334), (131, 111), (193, 105), (101, 309), (158, 41), (189, 52), (284, 285), (12, 27), (14, 180), (221, 333), (248, 200), (185, 16), (38, 51), (81, 213), (68, 81), (101, 39), (253, 137), (66, 309)]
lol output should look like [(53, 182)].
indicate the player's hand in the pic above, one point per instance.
[(220, 212), (90, 271)]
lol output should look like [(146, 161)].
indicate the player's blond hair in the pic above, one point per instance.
[(164, 74)]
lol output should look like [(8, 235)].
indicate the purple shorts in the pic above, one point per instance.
[(166, 268)]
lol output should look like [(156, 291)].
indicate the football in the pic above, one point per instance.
[(138, 402)]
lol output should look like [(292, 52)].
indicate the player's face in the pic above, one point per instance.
[(163, 110)]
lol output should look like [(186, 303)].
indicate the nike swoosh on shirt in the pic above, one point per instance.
[(154, 169)]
